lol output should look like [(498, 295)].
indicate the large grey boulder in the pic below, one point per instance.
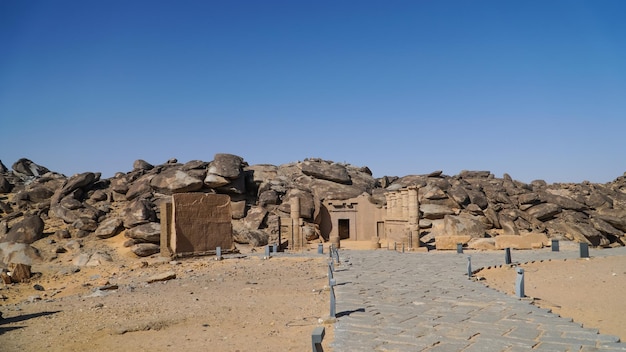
[(544, 211), (434, 211), (28, 230), (140, 164), (140, 188), (26, 169), (226, 165), (109, 228), (145, 249), (5, 185), (326, 171), (323, 189), (463, 225), (140, 211), (173, 181), (255, 238), (255, 217), (146, 233), (75, 182), (18, 253), (615, 217)]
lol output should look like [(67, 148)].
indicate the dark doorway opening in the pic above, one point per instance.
[(344, 229)]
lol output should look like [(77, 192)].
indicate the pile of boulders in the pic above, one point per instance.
[(474, 203)]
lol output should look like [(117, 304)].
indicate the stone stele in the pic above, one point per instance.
[(200, 223)]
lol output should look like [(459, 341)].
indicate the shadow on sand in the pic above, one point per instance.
[(19, 318)]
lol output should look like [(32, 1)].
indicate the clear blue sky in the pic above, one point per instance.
[(535, 89)]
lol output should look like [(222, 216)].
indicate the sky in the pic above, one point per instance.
[(534, 89)]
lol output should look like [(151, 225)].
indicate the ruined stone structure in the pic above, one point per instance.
[(356, 219), (402, 217), (291, 228), (360, 219), (196, 224)]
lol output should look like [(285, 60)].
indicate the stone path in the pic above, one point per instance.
[(392, 301)]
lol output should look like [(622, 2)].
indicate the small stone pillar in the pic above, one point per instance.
[(413, 209), (296, 241)]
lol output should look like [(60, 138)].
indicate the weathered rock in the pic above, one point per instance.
[(432, 192), (145, 249), (109, 228), (254, 218), (29, 230), (433, 212), (474, 174), (580, 232), (326, 171), (98, 196), (256, 238), (70, 203), (544, 211), (142, 165), (463, 224), (226, 165), (617, 218), (18, 253), (39, 193), (194, 165), (168, 275), (323, 189), (175, 181), (478, 198), (215, 181), (5, 185), (139, 212), (529, 198), (3, 168), (85, 224), (269, 197), (605, 227), (140, 188), (563, 202), (507, 225), (459, 195), (147, 233), (119, 185), (73, 183), (99, 258), (20, 272), (25, 169)]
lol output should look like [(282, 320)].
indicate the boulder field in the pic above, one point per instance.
[(38, 204)]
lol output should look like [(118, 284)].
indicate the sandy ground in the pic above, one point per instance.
[(238, 304), (590, 291)]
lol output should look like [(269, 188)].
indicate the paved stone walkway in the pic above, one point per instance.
[(392, 301)]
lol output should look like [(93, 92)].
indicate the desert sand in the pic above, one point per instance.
[(589, 291), (242, 303)]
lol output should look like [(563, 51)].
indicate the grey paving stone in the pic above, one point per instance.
[(424, 301)]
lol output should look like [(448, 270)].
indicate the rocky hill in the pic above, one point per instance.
[(37, 204)]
